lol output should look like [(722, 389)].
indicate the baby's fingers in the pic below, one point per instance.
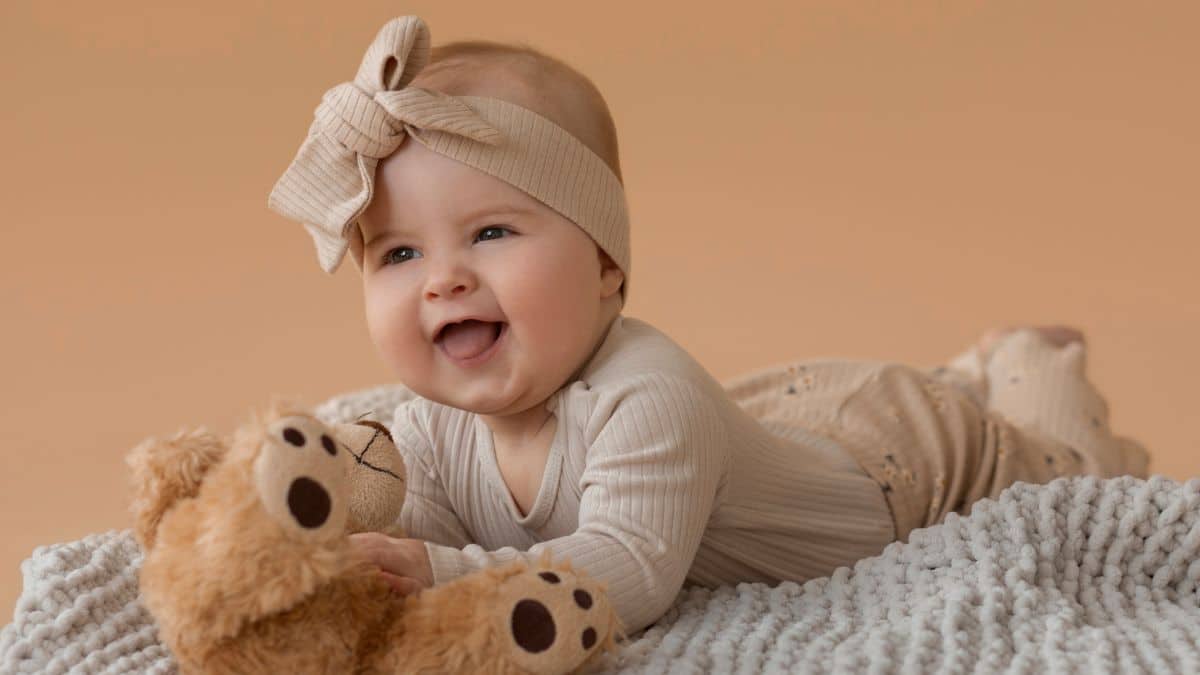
[(379, 549), (402, 585)]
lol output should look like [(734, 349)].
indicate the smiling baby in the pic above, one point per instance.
[(478, 190)]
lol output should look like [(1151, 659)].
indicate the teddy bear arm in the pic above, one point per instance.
[(518, 618)]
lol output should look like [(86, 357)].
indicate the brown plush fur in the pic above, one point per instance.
[(244, 578)]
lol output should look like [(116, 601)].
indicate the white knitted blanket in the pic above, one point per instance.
[(1081, 575)]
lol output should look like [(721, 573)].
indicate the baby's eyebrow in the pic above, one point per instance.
[(390, 232), (495, 209), (469, 218), (376, 237)]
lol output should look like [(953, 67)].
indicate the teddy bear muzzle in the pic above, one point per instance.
[(300, 475)]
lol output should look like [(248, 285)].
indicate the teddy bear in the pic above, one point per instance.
[(247, 566)]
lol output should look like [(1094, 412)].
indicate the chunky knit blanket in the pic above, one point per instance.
[(1081, 575)]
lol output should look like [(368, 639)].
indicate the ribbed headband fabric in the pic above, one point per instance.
[(331, 180)]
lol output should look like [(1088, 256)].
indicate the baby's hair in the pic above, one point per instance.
[(551, 87)]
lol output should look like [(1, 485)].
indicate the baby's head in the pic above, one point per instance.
[(441, 240)]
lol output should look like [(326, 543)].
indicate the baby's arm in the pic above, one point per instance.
[(652, 475), (427, 513)]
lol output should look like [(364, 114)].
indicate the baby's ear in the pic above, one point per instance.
[(611, 276)]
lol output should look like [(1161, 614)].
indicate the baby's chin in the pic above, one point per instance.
[(494, 404), (480, 402)]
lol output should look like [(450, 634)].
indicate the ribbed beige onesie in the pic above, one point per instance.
[(658, 475)]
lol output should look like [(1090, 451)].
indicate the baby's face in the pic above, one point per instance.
[(443, 241)]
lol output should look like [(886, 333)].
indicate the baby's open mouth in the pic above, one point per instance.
[(470, 338)]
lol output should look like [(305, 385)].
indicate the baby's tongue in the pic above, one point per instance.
[(469, 338)]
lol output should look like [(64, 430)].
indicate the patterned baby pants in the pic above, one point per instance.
[(938, 440)]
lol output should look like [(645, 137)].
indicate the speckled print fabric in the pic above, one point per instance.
[(937, 441)]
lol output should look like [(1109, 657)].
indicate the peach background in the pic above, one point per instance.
[(806, 179)]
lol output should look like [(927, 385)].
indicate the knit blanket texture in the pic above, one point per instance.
[(1078, 576)]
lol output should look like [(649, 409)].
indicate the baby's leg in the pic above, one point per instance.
[(933, 449), (1054, 395), (967, 371), (1043, 420), (1042, 388)]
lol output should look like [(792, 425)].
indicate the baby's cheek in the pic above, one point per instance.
[(380, 322), (394, 330)]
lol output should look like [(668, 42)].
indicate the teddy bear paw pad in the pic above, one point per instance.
[(554, 618)]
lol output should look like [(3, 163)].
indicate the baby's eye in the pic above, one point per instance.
[(492, 228), (390, 258)]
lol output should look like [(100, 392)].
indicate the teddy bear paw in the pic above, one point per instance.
[(554, 619)]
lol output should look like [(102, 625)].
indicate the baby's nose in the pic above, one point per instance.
[(450, 283), (439, 291)]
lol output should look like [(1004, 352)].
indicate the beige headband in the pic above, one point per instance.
[(331, 180)]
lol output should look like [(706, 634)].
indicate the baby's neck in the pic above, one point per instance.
[(519, 429)]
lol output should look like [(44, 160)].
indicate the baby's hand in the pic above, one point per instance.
[(403, 563)]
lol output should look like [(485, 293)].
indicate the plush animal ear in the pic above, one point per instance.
[(378, 427), (166, 471), (377, 476)]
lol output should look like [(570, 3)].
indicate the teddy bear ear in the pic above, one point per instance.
[(377, 475), (279, 407), (166, 471), (378, 427)]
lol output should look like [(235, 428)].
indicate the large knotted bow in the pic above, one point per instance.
[(331, 180)]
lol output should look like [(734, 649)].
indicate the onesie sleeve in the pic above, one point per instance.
[(655, 464), (427, 513)]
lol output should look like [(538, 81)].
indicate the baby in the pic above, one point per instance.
[(494, 253)]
